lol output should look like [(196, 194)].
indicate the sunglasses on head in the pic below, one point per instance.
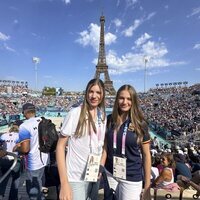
[(163, 159)]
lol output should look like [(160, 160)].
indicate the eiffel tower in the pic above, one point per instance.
[(102, 67)]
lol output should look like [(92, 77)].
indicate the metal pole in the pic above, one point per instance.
[(36, 61), (36, 78), (145, 72)]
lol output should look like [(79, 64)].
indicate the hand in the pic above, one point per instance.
[(145, 194), (65, 192), (101, 169), (16, 147), (99, 176)]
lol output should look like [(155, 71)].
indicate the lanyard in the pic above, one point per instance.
[(98, 131), (123, 138)]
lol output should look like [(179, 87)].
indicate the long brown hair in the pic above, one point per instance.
[(136, 116), (85, 115), (170, 159)]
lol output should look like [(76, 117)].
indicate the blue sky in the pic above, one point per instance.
[(64, 34)]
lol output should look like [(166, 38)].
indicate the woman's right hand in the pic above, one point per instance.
[(65, 192)]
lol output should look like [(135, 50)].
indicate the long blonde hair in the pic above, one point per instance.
[(85, 115), (137, 119)]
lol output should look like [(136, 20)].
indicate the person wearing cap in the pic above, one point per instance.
[(8, 141), (181, 167), (28, 144)]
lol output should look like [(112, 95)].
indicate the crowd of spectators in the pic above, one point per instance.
[(16, 89), (175, 110), (11, 103)]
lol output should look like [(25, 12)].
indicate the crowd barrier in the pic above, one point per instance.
[(160, 194)]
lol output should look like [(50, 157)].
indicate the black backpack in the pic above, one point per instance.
[(48, 136)]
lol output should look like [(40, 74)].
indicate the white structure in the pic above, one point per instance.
[(146, 59), (36, 61)]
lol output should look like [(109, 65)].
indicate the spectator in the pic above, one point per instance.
[(181, 168), (166, 176), (9, 140), (28, 144), (155, 143)]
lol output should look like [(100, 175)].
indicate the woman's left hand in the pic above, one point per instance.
[(145, 194)]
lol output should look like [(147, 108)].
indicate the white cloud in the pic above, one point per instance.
[(156, 71), (142, 39), (110, 38), (129, 31), (150, 15), (138, 22), (91, 36), (118, 1), (117, 22), (153, 49), (131, 3), (166, 7), (67, 1), (196, 46), (126, 63), (195, 11), (4, 37), (132, 62), (16, 21), (197, 69), (8, 48)]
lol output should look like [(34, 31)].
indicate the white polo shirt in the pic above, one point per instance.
[(29, 131), (79, 148)]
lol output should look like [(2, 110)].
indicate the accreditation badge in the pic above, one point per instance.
[(119, 167), (92, 169)]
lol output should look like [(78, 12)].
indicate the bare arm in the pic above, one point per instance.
[(147, 164), (23, 147), (65, 190), (165, 175), (146, 156)]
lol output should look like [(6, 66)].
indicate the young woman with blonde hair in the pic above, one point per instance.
[(84, 131)]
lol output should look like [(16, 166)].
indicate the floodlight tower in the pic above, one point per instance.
[(146, 59), (36, 61)]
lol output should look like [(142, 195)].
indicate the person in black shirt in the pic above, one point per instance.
[(128, 140)]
